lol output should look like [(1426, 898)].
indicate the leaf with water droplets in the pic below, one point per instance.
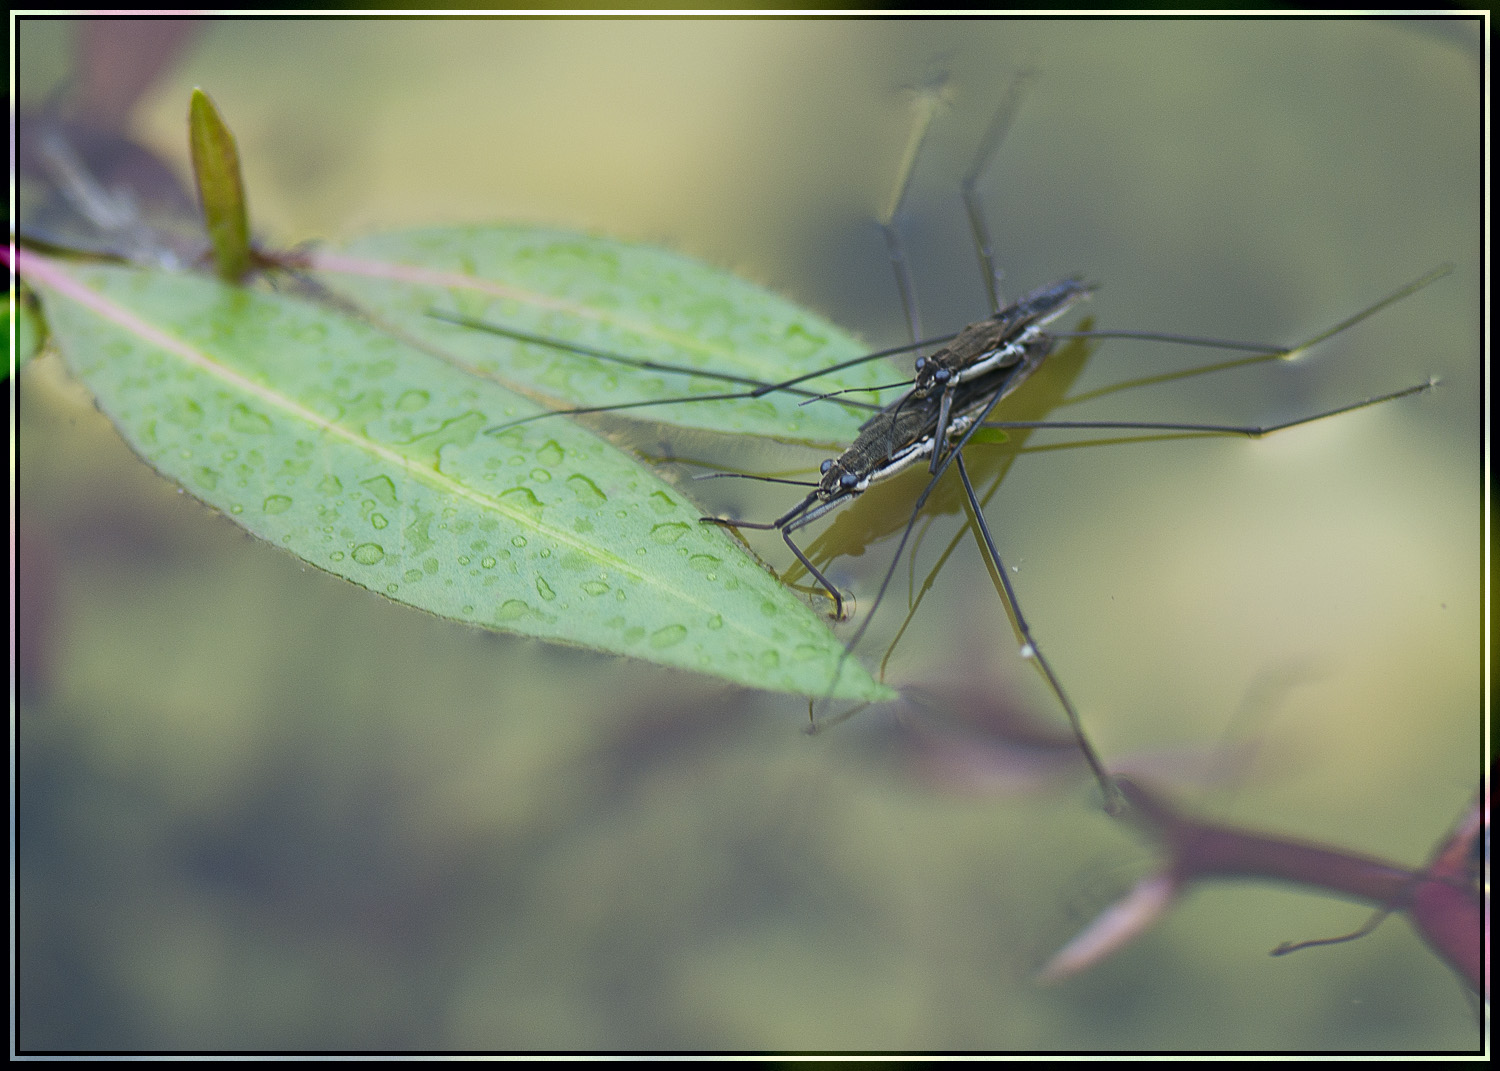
[(365, 456), (616, 297)]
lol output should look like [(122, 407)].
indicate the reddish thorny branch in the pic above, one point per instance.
[(1443, 900), (997, 746)]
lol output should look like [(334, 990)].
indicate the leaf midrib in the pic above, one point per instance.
[(127, 320)]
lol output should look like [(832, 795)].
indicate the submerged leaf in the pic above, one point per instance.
[(620, 298), (365, 457)]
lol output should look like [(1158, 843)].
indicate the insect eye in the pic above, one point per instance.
[(848, 479), (921, 363), (942, 375), (826, 465)]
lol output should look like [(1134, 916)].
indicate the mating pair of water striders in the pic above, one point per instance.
[(955, 389)]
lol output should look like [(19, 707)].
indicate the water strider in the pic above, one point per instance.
[(951, 396), (907, 431)]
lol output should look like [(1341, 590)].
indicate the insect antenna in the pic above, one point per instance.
[(905, 347), (752, 476), (854, 390)]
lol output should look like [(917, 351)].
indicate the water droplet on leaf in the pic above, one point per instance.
[(670, 532), (368, 553)]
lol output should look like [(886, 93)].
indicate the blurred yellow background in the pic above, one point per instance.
[(265, 809)]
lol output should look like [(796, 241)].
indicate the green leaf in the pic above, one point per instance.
[(365, 457), (28, 326), (221, 192), (614, 296)]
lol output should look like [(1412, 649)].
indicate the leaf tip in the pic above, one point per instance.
[(221, 191)]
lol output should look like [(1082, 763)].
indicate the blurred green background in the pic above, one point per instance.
[(264, 809)]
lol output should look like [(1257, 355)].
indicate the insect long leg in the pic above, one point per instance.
[(758, 388), (1003, 339), (762, 389), (1274, 352), (921, 501), (591, 351), (994, 134), (803, 513), (1032, 650), (927, 103), (1270, 353), (1253, 431)]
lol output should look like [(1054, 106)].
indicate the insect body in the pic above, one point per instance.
[(909, 430), (1008, 340)]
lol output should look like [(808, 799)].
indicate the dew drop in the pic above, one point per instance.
[(412, 400), (544, 589), (382, 488), (594, 587), (247, 421), (184, 412), (511, 610), (522, 500), (1028, 651), (662, 502), (487, 562), (411, 576), (717, 621), (550, 453), (669, 532), (669, 636), (704, 563), (377, 520), (368, 553), (585, 490), (276, 504), (337, 556), (518, 541)]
